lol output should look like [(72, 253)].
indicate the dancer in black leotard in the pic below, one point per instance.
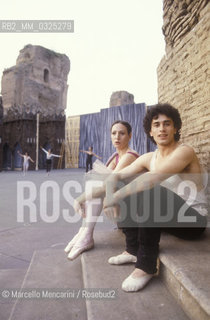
[(90, 154), (49, 156)]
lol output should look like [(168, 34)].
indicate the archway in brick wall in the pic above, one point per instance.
[(17, 158), (7, 157)]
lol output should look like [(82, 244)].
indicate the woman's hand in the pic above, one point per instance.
[(79, 208), (111, 185), (110, 201)]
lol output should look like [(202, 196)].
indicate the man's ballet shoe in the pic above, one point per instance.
[(131, 284), (122, 259), (73, 241), (79, 248)]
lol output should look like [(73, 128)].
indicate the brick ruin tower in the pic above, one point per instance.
[(36, 85)]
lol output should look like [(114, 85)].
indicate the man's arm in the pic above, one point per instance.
[(138, 166), (178, 161), (100, 191), (20, 153)]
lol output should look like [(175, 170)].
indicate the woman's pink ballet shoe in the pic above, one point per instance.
[(73, 241), (79, 248)]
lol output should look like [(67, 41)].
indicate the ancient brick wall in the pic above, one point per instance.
[(183, 73), (121, 98)]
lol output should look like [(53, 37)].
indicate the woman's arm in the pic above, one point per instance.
[(100, 191), (125, 161), (138, 166), (96, 156), (55, 155), (20, 153)]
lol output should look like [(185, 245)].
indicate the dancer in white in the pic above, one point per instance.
[(49, 156), (83, 240), (26, 159)]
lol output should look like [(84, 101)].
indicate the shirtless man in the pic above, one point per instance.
[(167, 172)]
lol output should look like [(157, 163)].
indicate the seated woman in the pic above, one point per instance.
[(121, 132)]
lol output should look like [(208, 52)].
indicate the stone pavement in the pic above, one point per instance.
[(32, 259)]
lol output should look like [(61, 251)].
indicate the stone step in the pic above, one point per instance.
[(185, 271), (153, 302), (50, 276), (9, 279)]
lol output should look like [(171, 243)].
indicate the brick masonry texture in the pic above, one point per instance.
[(183, 73)]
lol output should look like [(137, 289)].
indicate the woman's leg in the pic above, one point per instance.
[(24, 169), (48, 165), (83, 241), (87, 164)]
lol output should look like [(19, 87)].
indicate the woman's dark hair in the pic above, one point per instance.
[(166, 109), (124, 123)]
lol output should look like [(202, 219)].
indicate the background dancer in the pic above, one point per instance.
[(26, 159), (89, 159), (49, 157)]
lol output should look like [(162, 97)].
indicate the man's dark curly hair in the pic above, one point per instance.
[(166, 109)]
